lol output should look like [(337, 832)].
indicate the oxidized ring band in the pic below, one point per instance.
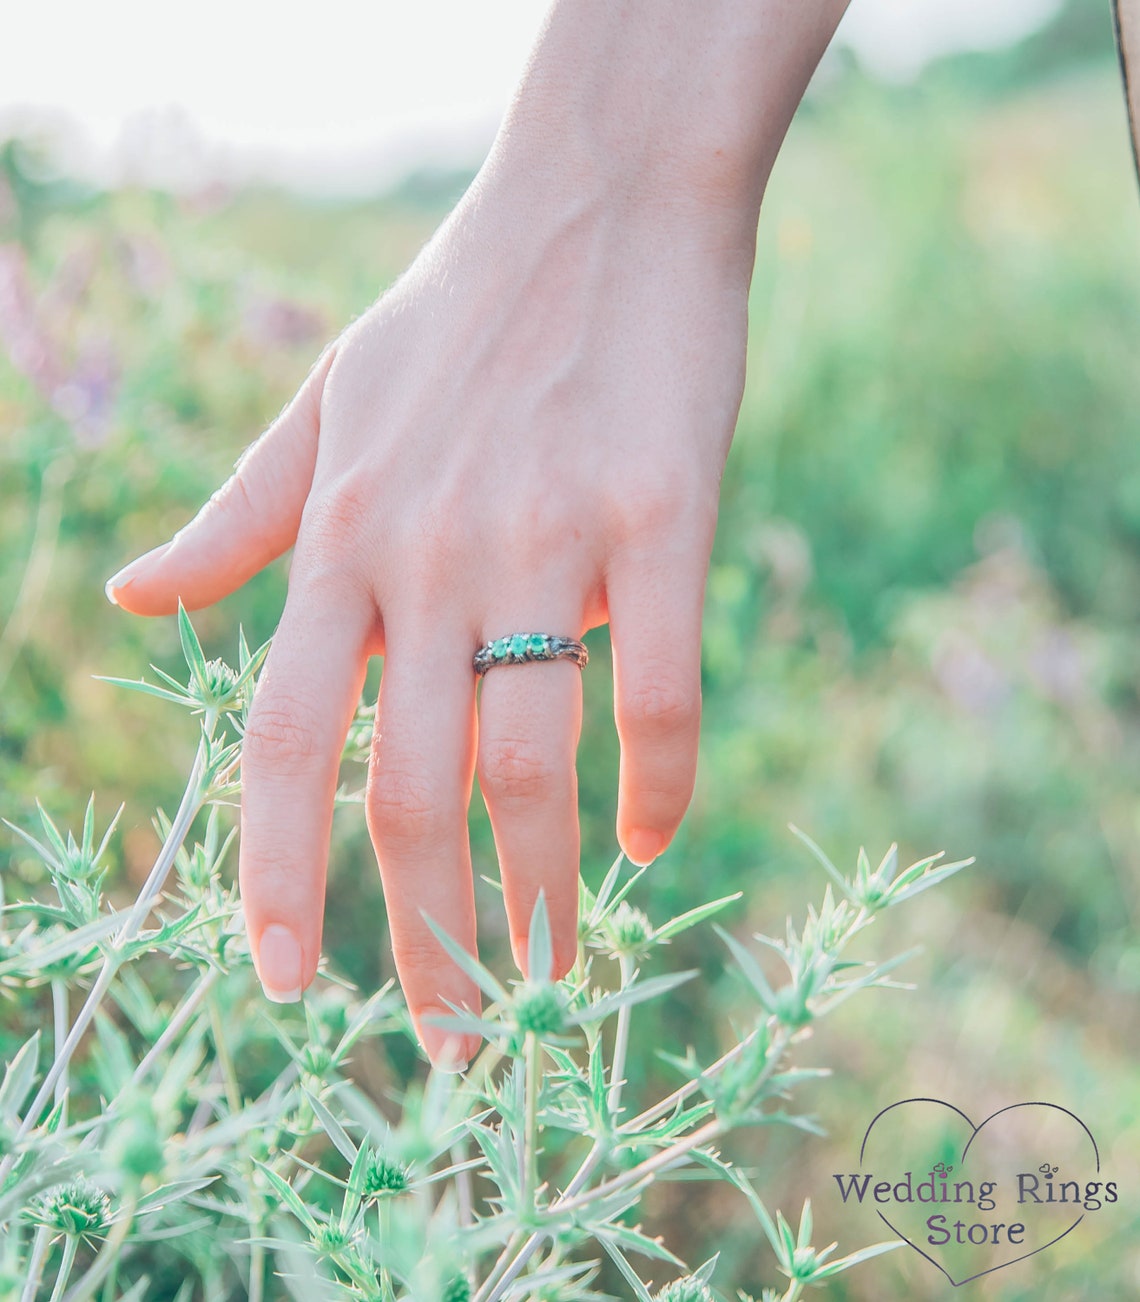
[(521, 648)]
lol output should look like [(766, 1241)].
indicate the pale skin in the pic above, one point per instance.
[(526, 433)]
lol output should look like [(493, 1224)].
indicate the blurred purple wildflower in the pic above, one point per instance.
[(30, 350), (272, 323), (82, 387)]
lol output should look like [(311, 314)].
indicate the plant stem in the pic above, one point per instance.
[(501, 1264), (505, 1269), (70, 1248), (173, 1029), (465, 1202), (669, 1157), (225, 1059), (59, 1008), (530, 1152), (384, 1226), (108, 1257), (666, 1105), (232, 1088), (111, 1283), (489, 1289), (489, 1058), (578, 975), (501, 1277), (204, 1111), (512, 1271), (661, 1161), (40, 1246), (192, 800), (496, 1282), (621, 1042), (256, 1272), (572, 1199)]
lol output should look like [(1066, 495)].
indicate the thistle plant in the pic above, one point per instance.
[(166, 1133)]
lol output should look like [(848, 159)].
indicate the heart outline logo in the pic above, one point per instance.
[(974, 1132)]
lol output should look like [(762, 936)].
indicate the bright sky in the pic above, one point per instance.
[(355, 86)]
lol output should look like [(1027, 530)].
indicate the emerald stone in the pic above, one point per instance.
[(537, 643), (518, 644), (499, 649)]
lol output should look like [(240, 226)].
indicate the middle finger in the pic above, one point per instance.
[(419, 787)]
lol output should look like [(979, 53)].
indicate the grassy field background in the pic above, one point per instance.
[(922, 615)]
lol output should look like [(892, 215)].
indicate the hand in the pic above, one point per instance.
[(526, 434)]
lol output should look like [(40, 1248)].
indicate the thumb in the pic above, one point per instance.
[(248, 522)]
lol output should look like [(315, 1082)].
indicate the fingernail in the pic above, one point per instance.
[(521, 956), (444, 1047), (643, 846), (279, 964), (117, 582)]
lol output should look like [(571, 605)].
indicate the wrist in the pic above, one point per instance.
[(663, 102)]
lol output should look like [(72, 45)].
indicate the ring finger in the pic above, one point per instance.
[(530, 717)]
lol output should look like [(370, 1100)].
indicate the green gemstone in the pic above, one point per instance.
[(518, 644), (537, 643), (499, 649)]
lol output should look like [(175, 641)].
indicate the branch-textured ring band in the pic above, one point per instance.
[(522, 648)]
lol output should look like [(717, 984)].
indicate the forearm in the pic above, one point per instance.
[(676, 100)]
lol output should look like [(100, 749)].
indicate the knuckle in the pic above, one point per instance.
[(661, 499), (239, 499), (430, 969), (234, 498), (434, 537), (262, 873), (231, 505), (402, 805), (338, 518), (659, 704), (514, 770), (281, 733), (337, 535), (420, 955)]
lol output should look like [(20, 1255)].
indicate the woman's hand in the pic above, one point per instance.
[(526, 434)]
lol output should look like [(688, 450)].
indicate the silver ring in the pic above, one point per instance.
[(523, 648)]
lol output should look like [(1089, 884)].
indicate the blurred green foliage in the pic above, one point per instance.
[(922, 613)]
